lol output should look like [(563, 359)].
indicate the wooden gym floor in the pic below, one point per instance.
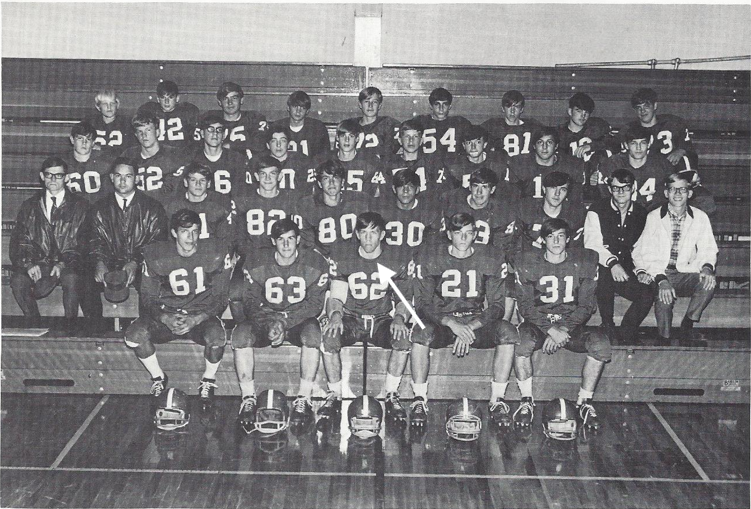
[(102, 451)]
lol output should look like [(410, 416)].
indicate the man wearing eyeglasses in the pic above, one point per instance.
[(46, 245), (246, 129), (612, 227), (228, 167), (677, 254)]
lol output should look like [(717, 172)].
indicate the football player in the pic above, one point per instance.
[(298, 170), (111, 130), (554, 203), (158, 167), (410, 218), (365, 172), (510, 132), (88, 166), (123, 224), (177, 120), (430, 168), (378, 134), (47, 243), (184, 289), (555, 291), (245, 129), (359, 306), (669, 134), (612, 227), (441, 133), (529, 169), (214, 209), (452, 285), (308, 135), (284, 295), (462, 166), (256, 211), (329, 216), (228, 167)]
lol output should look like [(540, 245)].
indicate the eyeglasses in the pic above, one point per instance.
[(215, 130), (678, 190), (620, 189), (54, 176)]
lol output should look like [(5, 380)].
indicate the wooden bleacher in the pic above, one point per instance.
[(43, 98)]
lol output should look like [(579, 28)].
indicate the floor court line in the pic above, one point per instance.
[(678, 442), (79, 432), (510, 477)]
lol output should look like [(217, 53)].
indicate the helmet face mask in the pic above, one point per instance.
[(172, 410), (365, 416), (272, 412), (463, 421), (559, 420)]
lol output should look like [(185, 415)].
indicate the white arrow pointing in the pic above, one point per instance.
[(385, 274)]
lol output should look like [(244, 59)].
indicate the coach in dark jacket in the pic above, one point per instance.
[(123, 223), (46, 246), (612, 227)]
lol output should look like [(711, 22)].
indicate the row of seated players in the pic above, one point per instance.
[(185, 287)]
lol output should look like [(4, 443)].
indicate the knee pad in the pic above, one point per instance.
[(424, 337), (215, 337), (136, 335), (598, 347), (527, 341), (310, 334), (243, 336), (506, 334)]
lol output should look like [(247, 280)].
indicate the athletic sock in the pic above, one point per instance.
[(336, 388), (248, 388), (151, 363), (211, 369), (497, 390), (421, 390), (306, 388), (392, 383), (584, 395), (525, 387)]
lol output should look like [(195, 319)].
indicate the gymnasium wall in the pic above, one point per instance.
[(419, 34)]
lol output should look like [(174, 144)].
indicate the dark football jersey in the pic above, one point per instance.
[(379, 137), (177, 128), (434, 177), (408, 229), (649, 178), (367, 295), (324, 225), (494, 223), (514, 139), (668, 134), (298, 290), (247, 134), (560, 294), (443, 136), (256, 215), (529, 174), (460, 167), (298, 174), (195, 284), (445, 285), (117, 134), (365, 173), (311, 140), (531, 214), (229, 171), (92, 178), (596, 133), (161, 174), (215, 211)]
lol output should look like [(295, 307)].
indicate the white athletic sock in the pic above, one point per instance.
[(525, 387), (336, 388), (420, 390), (497, 390), (211, 369), (151, 363), (248, 388), (392, 383), (584, 395), (306, 388)]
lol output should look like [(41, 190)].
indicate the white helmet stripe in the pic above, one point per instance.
[(170, 394), (465, 405), (562, 402), (270, 399), (365, 405)]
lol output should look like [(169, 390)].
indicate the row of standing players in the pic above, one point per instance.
[(549, 188)]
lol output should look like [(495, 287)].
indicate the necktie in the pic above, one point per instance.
[(125, 204), (53, 208)]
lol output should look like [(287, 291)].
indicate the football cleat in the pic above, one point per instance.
[(588, 415), (206, 390), (559, 420), (525, 413), (272, 412), (418, 412), (464, 420), (302, 416), (329, 413), (365, 416), (172, 411), (500, 414), (247, 414), (158, 385), (394, 409)]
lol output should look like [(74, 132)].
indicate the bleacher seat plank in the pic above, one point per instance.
[(105, 365)]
